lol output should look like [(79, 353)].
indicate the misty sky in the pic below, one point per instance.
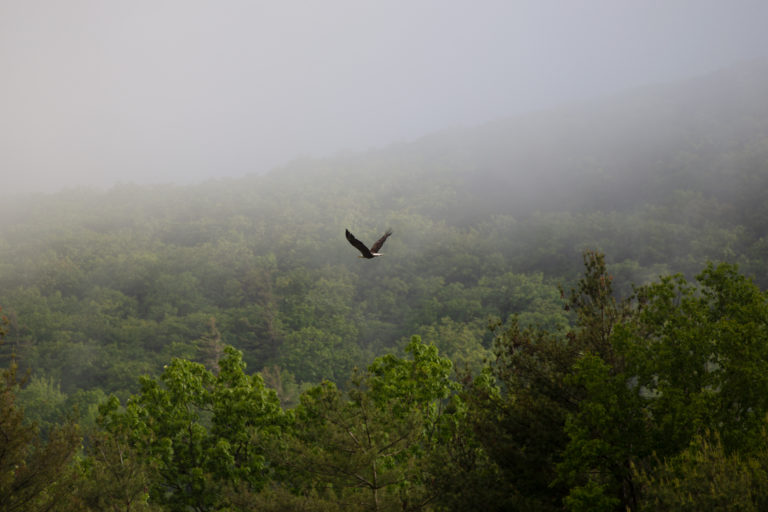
[(94, 92)]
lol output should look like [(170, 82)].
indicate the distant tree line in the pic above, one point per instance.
[(655, 401)]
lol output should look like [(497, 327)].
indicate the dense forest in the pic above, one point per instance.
[(570, 314)]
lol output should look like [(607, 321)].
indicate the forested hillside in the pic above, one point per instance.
[(610, 392)]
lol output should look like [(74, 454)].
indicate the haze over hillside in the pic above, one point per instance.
[(98, 93), (692, 152), (617, 152), (613, 153)]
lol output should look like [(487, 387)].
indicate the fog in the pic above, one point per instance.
[(95, 93)]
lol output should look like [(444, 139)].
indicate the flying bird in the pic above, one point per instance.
[(366, 252)]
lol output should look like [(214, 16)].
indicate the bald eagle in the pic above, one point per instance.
[(365, 252)]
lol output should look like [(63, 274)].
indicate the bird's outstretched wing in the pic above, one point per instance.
[(359, 245), (377, 246)]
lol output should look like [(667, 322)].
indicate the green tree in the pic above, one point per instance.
[(705, 477), (685, 360), (550, 422), (606, 424), (43, 402), (114, 476), (34, 475), (517, 409), (462, 475), (314, 354), (202, 432), (699, 354), (366, 449), (461, 342)]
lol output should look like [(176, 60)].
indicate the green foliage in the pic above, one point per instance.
[(611, 414), (464, 341), (114, 476), (705, 477), (607, 432), (463, 476), (634, 378), (544, 379), (606, 426), (313, 354), (200, 431), (366, 449), (700, 354), (687, 359), (517, 410), (34, 475), (43, 402)]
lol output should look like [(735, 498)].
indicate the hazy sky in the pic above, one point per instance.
[(103, 91)]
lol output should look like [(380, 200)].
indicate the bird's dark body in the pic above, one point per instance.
[(365, 252)]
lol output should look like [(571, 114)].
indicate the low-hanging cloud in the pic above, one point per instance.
[(94, 93)]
